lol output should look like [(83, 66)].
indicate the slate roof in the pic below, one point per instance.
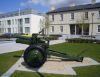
[(75, 8), (22, 12)]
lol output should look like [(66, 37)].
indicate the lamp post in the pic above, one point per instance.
[(92, 25)]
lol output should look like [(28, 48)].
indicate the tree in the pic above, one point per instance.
[(47, 23), (44, 25)]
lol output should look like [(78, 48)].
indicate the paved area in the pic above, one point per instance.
[(6, 47), (56, 42), (58, 67), (11, 46)]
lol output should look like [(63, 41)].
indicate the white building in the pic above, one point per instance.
[(22, 21), (75, 21)]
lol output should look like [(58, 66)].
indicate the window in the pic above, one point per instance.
[(27, 20), (9, 30), (86, 15), (9, 22), (61, 17), (27, 29), (0, 22), (99, 13), (20, 22), (72, 15), (52, 28), (98, 28), (61, 28), (52, 17), (0, 30)]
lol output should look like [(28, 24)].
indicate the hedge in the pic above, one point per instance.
[(79, 40)]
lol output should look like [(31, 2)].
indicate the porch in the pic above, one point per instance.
[(79, 29)]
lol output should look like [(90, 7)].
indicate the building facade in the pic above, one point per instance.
[(75, 21), (23, 21)]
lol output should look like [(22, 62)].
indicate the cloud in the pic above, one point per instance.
[(43, 2), (56, 3)]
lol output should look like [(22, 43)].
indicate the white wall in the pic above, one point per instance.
[(34, 23)]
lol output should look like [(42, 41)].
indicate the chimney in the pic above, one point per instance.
[(52, 8), (72, 4), (93, 1)]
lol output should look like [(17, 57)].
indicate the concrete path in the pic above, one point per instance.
[(56, 42), (58, 67), (10, 47)]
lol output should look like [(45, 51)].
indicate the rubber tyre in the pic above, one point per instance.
[(35, 63)]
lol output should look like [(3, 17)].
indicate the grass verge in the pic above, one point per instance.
[(8, 59)]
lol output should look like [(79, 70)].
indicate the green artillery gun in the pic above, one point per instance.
[(38, 51)]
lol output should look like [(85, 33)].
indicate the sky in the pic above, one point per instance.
[(38, 5)]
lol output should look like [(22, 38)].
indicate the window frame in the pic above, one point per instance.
[(27, 30), (72, 15), (8, 22), (52, 28), (0, 23), (61, 16), (61, 28), (98, 28), (86, 15), (27, 22), (52, 17), (99, 14)]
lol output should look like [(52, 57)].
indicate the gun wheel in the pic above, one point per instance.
[(35, 56)]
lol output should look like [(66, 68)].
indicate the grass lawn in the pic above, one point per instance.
[(7, 60), (93, 51)]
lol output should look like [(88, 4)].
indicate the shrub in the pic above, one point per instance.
[(54, 37), (79, 40)]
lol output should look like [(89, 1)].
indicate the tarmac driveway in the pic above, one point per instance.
[(10, 46)]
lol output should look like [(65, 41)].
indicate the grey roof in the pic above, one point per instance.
[(75, 8), (19, 12)]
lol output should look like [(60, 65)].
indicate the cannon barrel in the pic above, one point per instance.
[(35, 39), (23, 40)]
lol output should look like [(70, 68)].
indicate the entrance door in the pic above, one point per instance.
[(86, 29)]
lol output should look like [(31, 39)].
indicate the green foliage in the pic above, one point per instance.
[(79, 40), (54, 37)]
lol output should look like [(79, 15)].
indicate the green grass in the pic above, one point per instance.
[(92, 50), (7, 60)]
